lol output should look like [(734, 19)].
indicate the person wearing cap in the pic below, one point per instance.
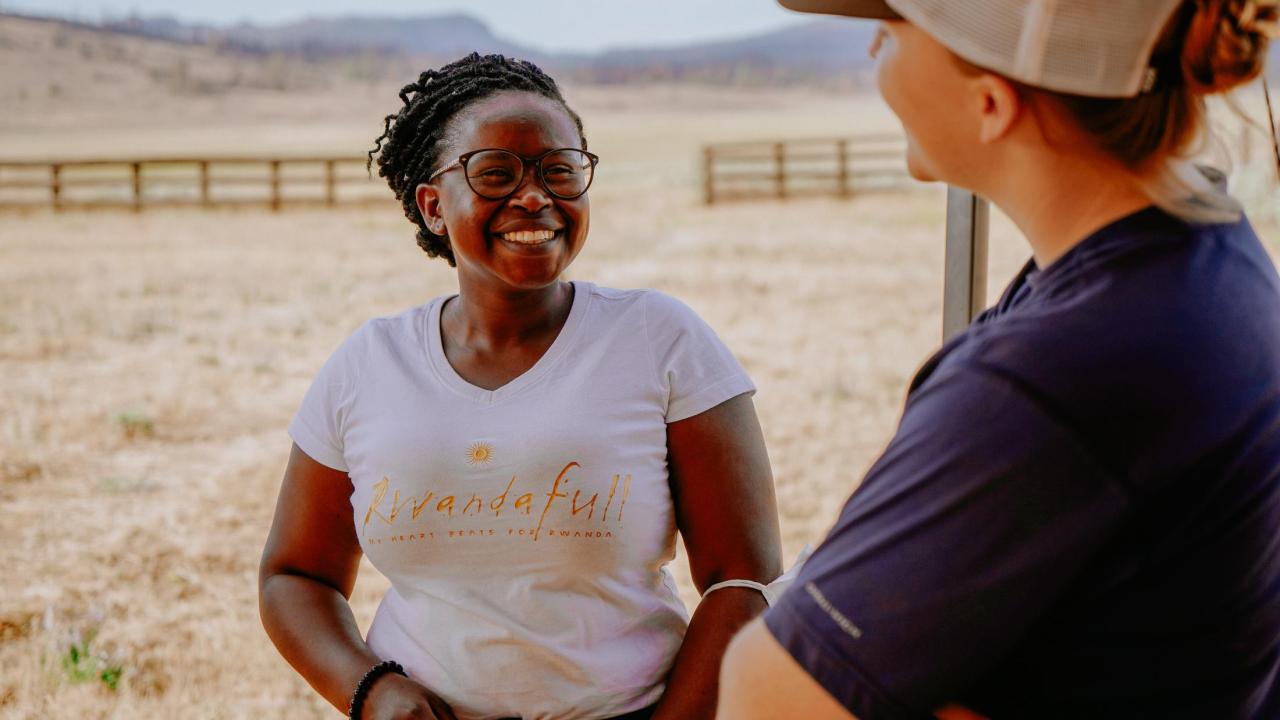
[(1079, 513)]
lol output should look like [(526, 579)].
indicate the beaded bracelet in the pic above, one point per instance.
[(366, 682)]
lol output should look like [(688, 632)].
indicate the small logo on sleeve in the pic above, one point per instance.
[(838, 617)]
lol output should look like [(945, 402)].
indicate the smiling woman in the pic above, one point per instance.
[(497, 220), (517, 458)]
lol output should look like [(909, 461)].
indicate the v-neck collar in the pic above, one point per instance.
[(439, 363)]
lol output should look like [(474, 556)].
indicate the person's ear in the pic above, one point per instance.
[(428, 198), (999, 107)]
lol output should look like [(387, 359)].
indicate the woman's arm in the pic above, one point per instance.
[(308, 569), (722, 488)]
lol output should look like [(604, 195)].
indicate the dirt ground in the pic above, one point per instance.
[(150, 363)]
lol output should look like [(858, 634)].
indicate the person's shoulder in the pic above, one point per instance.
[(1186, 291), (1154, 264), (617, 297), (1169, 345), (407, 317), (395, 329), (662, 307), (656, 306)]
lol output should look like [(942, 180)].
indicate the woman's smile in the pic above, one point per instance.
[(529, 236)]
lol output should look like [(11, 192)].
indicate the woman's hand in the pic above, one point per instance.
[(308, 569), (395, 697)]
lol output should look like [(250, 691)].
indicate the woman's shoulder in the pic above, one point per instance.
[(405, 327), (404, 319), (611, 295), (655, 304)]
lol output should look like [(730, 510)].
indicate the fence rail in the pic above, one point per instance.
[(785, 168), (139, 183)]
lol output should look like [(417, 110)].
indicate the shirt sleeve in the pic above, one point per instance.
[(694, 368), (319, 425), (979, 513)]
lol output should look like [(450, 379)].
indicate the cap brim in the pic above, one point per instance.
[(873, 9)]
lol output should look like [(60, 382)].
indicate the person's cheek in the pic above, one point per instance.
[(890, 86), (916, 158), (896, 85), (888, 81)]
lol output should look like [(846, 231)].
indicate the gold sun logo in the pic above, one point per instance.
[(479, 454)]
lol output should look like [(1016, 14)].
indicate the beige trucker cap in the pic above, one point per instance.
[(1099, 48)]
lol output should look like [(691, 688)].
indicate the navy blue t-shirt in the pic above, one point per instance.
[(1079, 514)]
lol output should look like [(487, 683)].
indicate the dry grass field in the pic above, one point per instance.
[(149, 363)]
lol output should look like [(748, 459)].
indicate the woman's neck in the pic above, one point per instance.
[(1060, 199), (493, 320)]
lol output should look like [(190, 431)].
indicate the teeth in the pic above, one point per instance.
[(528, 237)]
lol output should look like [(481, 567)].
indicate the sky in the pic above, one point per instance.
[(558, 25)]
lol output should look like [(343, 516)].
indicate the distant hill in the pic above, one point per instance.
[(825, 52), (435, 36)]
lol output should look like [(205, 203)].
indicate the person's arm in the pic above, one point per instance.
[(760, 680), (966, 532), (305, 580), (722, 488)]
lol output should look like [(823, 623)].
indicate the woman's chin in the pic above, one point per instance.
[(533, 278), (918, 171)]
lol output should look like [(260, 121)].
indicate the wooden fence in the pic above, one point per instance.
[(785, 168), (202, 182)]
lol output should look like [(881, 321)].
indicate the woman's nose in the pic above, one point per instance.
[(530, 196)]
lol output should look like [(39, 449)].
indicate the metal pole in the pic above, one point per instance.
[(964, 285)]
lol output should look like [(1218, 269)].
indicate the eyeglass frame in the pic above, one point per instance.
[(461, 162)]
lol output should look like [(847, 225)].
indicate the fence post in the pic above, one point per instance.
[(55, 186), (204, 183), (780, 169), (137, 186), (842, 168), (275, 185), (708, 175), (330, 190)]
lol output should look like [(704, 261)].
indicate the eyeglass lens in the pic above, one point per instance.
[(496, 174)]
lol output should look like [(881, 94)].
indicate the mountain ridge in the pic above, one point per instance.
[(805, 53), (821, 52)]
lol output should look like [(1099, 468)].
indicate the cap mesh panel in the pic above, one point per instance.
[(1092, 47)]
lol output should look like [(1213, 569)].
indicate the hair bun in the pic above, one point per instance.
[(1226, 43)]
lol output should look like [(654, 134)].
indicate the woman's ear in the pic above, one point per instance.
[(1000, 106), (428, 198)]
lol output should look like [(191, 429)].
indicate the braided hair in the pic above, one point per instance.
[(409, 148)]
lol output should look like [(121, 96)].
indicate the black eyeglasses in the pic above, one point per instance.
[(494, 174)]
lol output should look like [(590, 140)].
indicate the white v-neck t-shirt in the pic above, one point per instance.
[(525, 530)]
